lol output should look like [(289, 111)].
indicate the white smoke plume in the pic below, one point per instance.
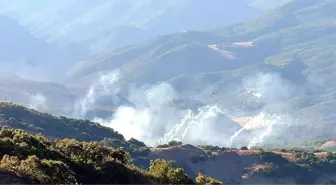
[(38, 102), (261, 129), (150, 118), (155, 121), (267, 89), (104, 85), (271, 86)]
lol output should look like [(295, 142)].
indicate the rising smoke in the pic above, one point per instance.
[(154, 121), (38, 102), (105, 85)]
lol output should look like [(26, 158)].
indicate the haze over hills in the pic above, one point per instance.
[(285, 56), (25, 55), (188, 81), (232, 166), (268, 59), (105, 24)]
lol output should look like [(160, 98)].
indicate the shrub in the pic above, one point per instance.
[(163, 170), (243, 148), (203, 179), (39, 171)]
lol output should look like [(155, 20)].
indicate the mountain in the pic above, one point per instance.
[(286, 55), (18, 89), (105, 24), (22, 53)]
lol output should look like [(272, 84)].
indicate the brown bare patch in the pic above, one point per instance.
[(329, 144)]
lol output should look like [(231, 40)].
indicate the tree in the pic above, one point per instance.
[(203, 179), (39, 171), (163, 169), (174, 143), (243, 148)]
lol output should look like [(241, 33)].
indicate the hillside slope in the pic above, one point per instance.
[(277, 32), (234, 166), (286, 55), (41, 160), (59, 151), (74, 151)]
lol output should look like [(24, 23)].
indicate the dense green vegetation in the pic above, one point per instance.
[(61, 161), (305, 167), (33, 121), (203, 179)]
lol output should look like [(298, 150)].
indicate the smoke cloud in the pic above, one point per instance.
[(154, 119), (270, 87), (151, 116), (38, 102), (105, 85)]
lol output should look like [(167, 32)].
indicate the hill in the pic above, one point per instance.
[(41, 160), (22, 53), (21, 90), (19, 117), (73, 159), (33, 121), (102, 25), (66, 138), (55, 98), (234, 166), (286, 56)]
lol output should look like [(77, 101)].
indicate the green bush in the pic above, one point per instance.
[(203, 179), (163, 170), (243, 148), (39, 171), (68, 161)]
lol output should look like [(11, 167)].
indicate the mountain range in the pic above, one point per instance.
[(288, 54), (164, 92), (229, 165), (285, 56), (93, 26), (25, 55)]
